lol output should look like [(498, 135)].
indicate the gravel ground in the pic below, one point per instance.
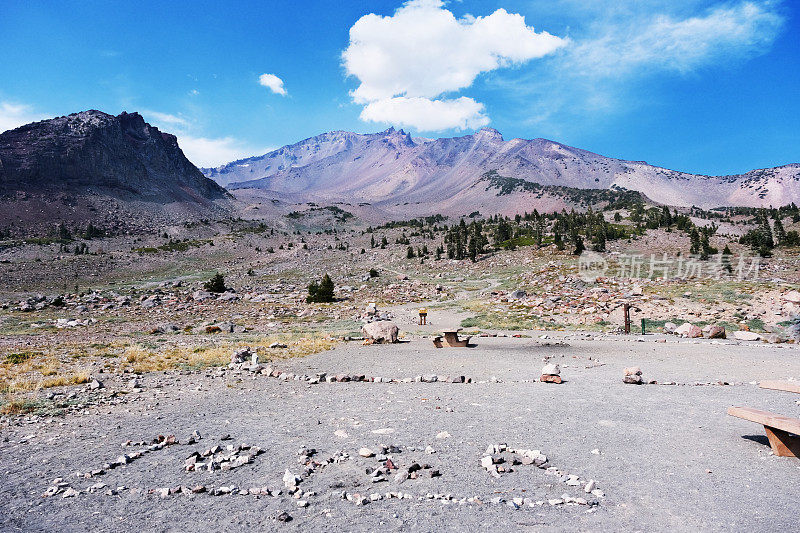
[(670, 458)]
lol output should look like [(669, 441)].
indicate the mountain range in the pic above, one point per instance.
[(395, 172), (123, 174)]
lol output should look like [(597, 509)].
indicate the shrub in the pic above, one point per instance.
[(216, 284), (320, 292), (18, 358)]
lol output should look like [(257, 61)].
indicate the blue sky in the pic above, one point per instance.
[(700, 86)]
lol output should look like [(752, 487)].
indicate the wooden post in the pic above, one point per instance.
[(626, 309)]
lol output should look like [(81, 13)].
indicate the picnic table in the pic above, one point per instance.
[(452, 340)]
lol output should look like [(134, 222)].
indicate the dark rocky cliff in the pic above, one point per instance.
[(92, 151)]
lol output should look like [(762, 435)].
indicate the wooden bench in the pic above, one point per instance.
[(783, 432), (786, 386)]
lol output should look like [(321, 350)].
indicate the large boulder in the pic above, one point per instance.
[(689, 330), (670, 327), (714, 332), (381, 332), (746, 336)]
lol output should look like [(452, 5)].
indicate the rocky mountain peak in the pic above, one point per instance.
[(120, 154), (488, 134)]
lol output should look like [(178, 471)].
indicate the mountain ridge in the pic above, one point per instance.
[(390, 166)]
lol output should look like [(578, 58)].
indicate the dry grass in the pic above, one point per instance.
[(23, 374), (16, 406), (142, 360), (63, 380), (35, 382)]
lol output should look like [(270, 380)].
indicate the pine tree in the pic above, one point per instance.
[(557, 240), (726, 259), (704, 248), (694, 238), (780, 233), (600, 244), (216, 284), (321, 292), (579, 247)]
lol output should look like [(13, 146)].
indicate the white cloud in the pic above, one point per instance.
[(617, 52), (273, 83), (670, 42), (426, 114), (212, 152), (404, 61), (14, 115), (202, 151), (162, 119)]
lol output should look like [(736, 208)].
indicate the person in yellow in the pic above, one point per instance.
[(423, 316)]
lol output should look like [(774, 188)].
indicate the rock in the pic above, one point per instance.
[(670, 327), (401, 476), (487, 461), (70, 493), (632, 375), (284, 517), (290, 480), (199, 296), (551, 369), (242, 355), (366, 452), (518, 294), (550, 374), (590, 486), (689, 330), (637, 290), (443, 435), (95, 384), (547, 378), (381, 332), (714, 332), (746, 336), (277, 345), (792, 296)]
